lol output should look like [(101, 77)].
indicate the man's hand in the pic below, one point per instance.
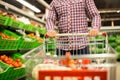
[(50, 34), (93, 32)]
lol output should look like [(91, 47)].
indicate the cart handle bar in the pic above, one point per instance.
[(80, 34)]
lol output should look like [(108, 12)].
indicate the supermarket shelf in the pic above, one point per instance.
[(7, 51), (24, 49), (11, 51), (4, 50), (109, 28), (44, 3), (3, 26), (14, 29), (21, 12)]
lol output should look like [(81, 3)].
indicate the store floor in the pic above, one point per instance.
[(118, 71)]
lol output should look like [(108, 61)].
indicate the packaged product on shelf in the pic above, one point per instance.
[(24, 20)]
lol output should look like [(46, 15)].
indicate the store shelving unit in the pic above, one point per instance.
[(22, 12), (110, 29), (19, 72), (114, 31), (44, 3)]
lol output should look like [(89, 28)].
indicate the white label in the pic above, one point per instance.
[(47, 78), (67, 78), (96, 78), (57, 78), (87, 78)]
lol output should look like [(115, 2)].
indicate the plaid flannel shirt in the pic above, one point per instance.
[(72, 18)]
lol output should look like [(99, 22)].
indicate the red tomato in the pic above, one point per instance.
[(17, 60), (20, 64), (15, 64), (5, 59)]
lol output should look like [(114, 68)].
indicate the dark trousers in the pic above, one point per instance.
[(74, 52)]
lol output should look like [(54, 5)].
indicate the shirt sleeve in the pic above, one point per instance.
[(93, 14), (51, 19)]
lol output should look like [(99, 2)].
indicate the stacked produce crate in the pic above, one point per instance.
[(11, 65), (114, 41)]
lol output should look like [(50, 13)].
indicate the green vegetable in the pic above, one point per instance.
[(118, 40), (98, 51), (119, 55), (118, 36), (100, 37), (42, 30), (51, 44), (52, 52), (113, 44), (117, 48), (112, 39), (101, 45), (17, 56)]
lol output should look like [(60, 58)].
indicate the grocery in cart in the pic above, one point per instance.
[(60, 59)]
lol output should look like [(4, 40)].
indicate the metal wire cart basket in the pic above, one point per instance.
[(97, 62)]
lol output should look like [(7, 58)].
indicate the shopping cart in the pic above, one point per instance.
[(98, 53), (98, 64)]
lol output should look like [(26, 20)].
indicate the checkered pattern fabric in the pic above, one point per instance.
[(72, 18)]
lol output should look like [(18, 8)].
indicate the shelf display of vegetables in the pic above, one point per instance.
[(118, 55), (11, 66), (9, 19), (114, 41), (113, 44), (8, 60), (117, 48), (118, 40), (36, 37), (112, 38), (3, 36), (10, 69)]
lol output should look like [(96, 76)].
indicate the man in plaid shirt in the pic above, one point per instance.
[(72, 18)]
